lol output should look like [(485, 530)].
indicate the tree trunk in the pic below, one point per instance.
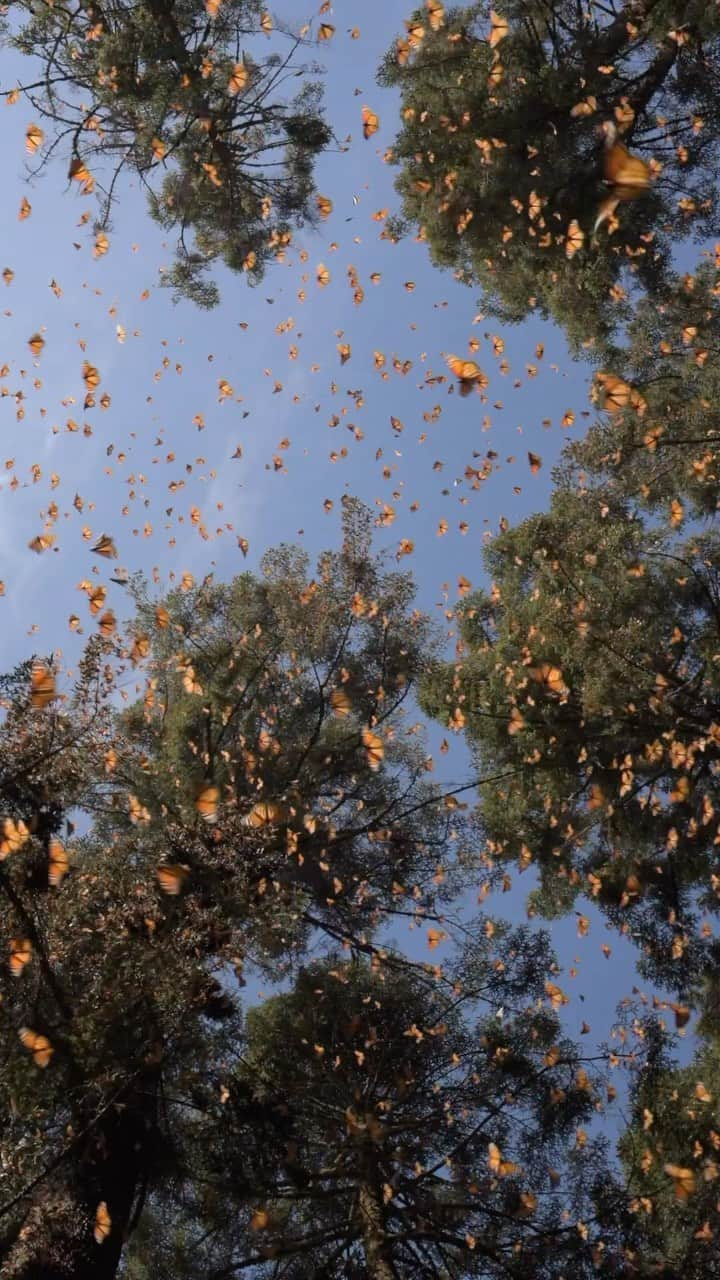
[(375, 1242), (56, 1239)]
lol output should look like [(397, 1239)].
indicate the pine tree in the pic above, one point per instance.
[(184, 96), (274, 762), (500, 155), (586, 682), (410, 1139), (656, 443)]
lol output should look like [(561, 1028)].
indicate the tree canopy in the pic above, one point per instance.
[(500, 155), (186, 97)]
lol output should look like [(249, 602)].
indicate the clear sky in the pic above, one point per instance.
[(146, 465)]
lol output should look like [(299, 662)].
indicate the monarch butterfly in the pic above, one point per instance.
[(14, 836), (575, 239), (517, 722), (137, 811), (140, 648), (103, 1223), (172, 877), (90, 375), (59, 863), (628, 175), (38, 1045), (617, 394), (101, 246), (96, 599), (374, 748), (265, 814), (683, 1181), (266, 23), (105, 547), (42, 542), (162, 617), (326, 31), (36, 343), (323, 275), (535, 462), (34, 138), (340, 703), (206, 803), (42, 686), (436, 14), (25, 209), (107, 623), (550, 677), (79, 172), (504, 1168), (238, 79), (468, 373), (20, 954), (371, 123), (498, 29), (324, 206)]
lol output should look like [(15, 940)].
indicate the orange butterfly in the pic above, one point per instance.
[(103, 1223), (340, 702), (374, 748), (206, 803), (20, 954), (172, 877), (39, 1046), (238, 79), (42, 686), (265, 814), (628, 175), (550, 677), (468, 373), (683, 1181), (105, 547), (34, 138), (371, 122), (59, 863)]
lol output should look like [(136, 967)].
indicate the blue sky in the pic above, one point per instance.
[(153, 406)]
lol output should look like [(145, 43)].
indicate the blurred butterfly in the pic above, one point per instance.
[(683, 1181), (374, 748), (504, 1168), (371, 123), (171, 878), (468, 373), (103, 1223), (42, 542), (628, 175), (265, 814), (59, 863), (42, 686), (34, 137), (20, 954), (238, 79), (105, 547), (340, 702), (39, 1046), (36, 344), (14, 836), (550, 677), (575, 239), (206, 803)]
